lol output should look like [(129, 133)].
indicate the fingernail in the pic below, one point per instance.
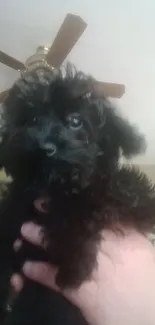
[(27, 228), (17, 245), (28, 268), (16, 282), (30, 229)]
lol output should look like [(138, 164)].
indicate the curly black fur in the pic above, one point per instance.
[(61, 141)]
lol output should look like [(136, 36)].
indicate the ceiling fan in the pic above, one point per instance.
[(70, 31)]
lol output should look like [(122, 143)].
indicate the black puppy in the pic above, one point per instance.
[(59, 141)]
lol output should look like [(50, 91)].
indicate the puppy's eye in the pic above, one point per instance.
[(75, 121)]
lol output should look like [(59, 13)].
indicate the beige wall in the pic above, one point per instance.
[(149, 170), (3, 176)]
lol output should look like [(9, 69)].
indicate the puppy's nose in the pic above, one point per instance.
[(50, 149)]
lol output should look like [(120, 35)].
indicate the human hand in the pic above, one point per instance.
[(122, 288)]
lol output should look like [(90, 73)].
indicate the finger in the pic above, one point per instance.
[(17, 245), (17, 282), (34, 234), (41, 272)]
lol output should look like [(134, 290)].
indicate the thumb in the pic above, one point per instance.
[(45, 274), (41, 272)]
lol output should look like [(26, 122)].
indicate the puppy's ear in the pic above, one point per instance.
[(2, 141), (80, 88), (130, 141), (1, 152)]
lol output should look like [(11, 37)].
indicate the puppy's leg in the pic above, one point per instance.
[(78, 264), (7, 255), (5, 273), (38, 305)]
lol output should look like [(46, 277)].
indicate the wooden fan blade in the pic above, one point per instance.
[(11, 62), (109, 89), (3, 95), (68, 34)]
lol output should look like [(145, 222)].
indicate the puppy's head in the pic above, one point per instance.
[(54, 128)]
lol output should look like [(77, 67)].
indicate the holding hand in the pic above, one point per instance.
[(122, 288)]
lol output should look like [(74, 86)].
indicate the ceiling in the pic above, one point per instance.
[(118, 46)]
